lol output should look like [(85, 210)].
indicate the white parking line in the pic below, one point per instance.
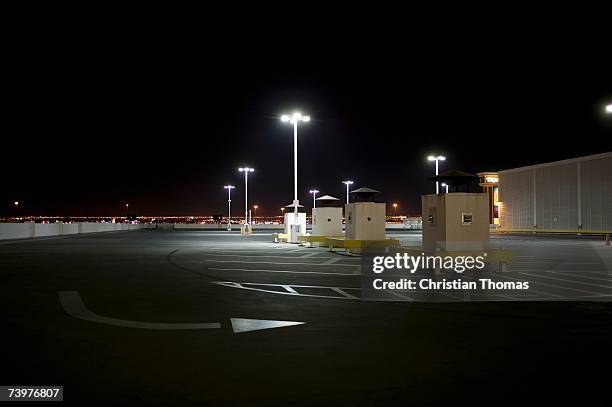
[(550, 285), (565, 273), (568, 281), (284, 271), (344, 293), (282, 263), (290, 289), (274, 256)]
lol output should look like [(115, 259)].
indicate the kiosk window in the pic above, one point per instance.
[(431, 218), (466, 218)]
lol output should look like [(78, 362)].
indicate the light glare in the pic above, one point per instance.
[(609, 109)]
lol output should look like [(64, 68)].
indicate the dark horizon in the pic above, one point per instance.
[(166, 136)]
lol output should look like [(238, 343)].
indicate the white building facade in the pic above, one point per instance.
[(572, 195)]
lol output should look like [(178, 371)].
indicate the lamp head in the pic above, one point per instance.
[(347, 182), (295, 117)]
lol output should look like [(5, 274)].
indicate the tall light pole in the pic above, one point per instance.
[(229, 206), (395, 208), (314, 193), (255, 209), (347, 183), (294, 119), (436, 159), (445, 185), (246, 171)]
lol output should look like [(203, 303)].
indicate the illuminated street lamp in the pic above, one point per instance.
[(255, 209), (445, 185), (348, 183), (395, 208), (283, 211), (16, 203), (609, 108), (229, 206), (436, 159), (246, 171), (294, 119), (314, 193)]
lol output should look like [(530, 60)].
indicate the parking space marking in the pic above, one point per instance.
[(402, 296), (285, 271), (565, 274), (568, 281), (343, 295), (274, 256), (290, 289), (280, 263), (551, 285)]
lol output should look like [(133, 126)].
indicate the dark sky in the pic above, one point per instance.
[(163, 123)]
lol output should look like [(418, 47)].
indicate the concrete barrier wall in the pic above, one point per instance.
[(29, 230), (15, 230), (217, 226)]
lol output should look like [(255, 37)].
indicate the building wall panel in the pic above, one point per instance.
[(557, 190)]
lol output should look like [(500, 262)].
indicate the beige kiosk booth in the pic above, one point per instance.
[(457, 220), (327, 217)]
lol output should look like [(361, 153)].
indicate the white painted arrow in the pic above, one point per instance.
[(245, 325), (73, 305)]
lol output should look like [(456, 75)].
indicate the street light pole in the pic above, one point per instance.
[(436, 159), (445, 185), (314, 193), (246, 171), (347, 183), (294, 119), (229, 206)]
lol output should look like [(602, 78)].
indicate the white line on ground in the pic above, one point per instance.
[(290, 289), (284, 271), (281, 263), (344, 293), (568, 274), (568, 281)]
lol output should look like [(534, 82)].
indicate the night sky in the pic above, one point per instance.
[(164, 125)]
